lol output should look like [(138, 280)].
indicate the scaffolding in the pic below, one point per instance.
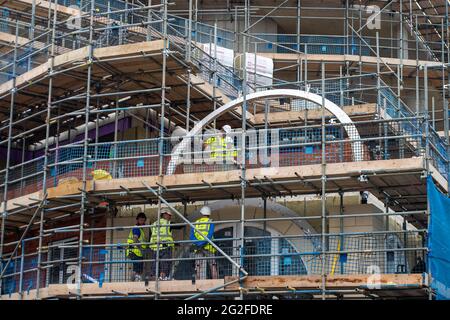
[(76, 75)]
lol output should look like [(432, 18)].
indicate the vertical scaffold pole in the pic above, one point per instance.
[(323, 180), (341, 226), (149, 20), (8, 155), (377, 37), (427, 154), (401, 47), (417, 70), (214, 72), (446, 33), (346, 35), (243, 127), (426, 116), (31, 32), (161, 142), (299, 60), (84, 200), (46, 150), (444, 97), (189, 33), (189, 48)]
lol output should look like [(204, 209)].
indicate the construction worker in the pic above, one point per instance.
[(364, 196), (201, 248), (221, 147), (136, 246), (420, 266), (114, 34), (165, 244)]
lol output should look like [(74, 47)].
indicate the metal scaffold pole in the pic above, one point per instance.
[(242, 252), (8, 156), (323, 186), (161, 144), (446, 86), (189, 49), (52, 23), (299, 30), (84, 196)]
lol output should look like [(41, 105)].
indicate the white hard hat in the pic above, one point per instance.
[(226, 128), (166, 210), (205, 210)]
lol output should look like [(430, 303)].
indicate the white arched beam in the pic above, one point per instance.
[(343, 118)]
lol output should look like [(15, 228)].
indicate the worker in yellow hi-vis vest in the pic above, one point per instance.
[(136, 246), (204, 252), (166, 244), (220, 148)]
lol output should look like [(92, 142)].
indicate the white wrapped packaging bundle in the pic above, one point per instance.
[(224, 56), (259, 70)]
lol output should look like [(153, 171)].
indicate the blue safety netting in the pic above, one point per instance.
[(439, 241)]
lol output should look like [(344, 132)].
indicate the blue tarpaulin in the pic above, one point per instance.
[(439, 241)]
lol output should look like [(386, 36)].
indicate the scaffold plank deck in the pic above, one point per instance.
[(118, 288), (360, 110), (259, 283), (331, 281), (80, 55), (293, 57), (406, 171)]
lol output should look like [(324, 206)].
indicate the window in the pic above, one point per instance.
[(396, 261), (61, 258), (265, 253), (290, 264)]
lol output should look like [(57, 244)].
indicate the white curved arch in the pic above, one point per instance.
[(271, 205), (351, 130), (297, 227)]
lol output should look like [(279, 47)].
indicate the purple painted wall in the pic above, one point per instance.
[(16, 154)]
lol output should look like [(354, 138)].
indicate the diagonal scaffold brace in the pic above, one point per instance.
[(242, 272), (38, 209)]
